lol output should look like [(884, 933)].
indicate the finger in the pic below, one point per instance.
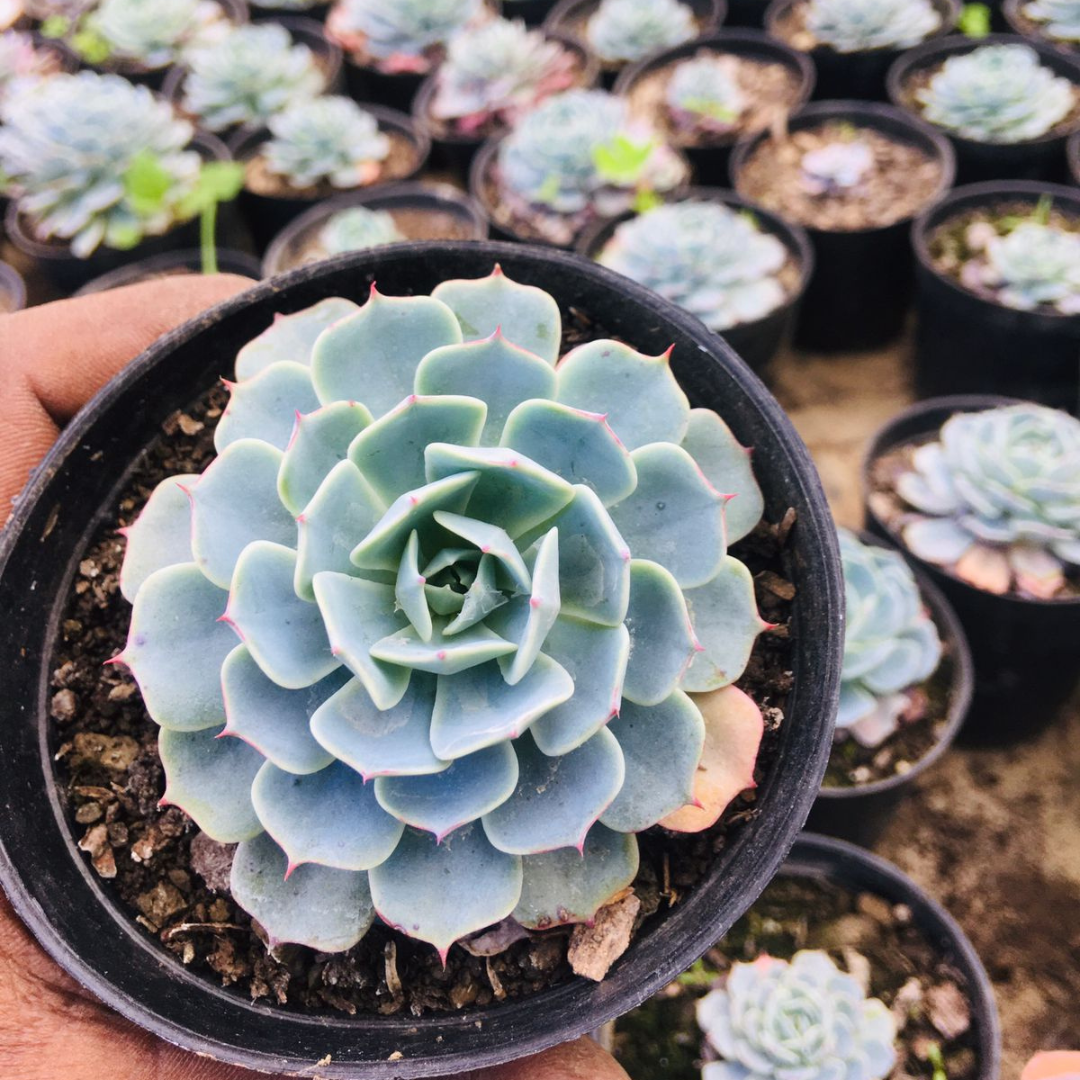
[(579, 1060)]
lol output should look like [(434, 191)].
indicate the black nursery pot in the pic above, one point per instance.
[(534, 12), (966, 344), (12, 290), (711, 160), (755, 342), (863, 279), (748, 13), (441, 199), (265, 13), (855, 870), (1024, 650), (1072, 153), (267, 215), (860, 814), (78, 919), (170, 264), (857, 76), (1035, 159)]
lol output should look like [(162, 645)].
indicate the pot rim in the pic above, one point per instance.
[(512, 1030)]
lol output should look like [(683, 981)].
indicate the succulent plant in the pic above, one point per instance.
[(703, 93), (578, 154), (357, 228), (326, 140), (22, 63), (1033, 265), (497, 70), (475, 589), (836, 167), (860, 25), (249, 76), (890, 641), (73, 149), (709, 259), (401, 36), (807, 1019), (151, 32), (626, 30), (996, 499), (1059, 19), (997, 94)]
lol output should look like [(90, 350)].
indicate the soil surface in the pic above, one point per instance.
[(900, 181), (863, 933)]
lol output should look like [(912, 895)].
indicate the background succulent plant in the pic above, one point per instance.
[(72, 148), (22, 62), (626, 30), (703, 93), (151, 32), (836, 167), (1058, 19), (497, 70), (473, 588), (997, 94), (355, 229), (1032, 266), (707, 258), (400, 37), (890, 641), (326, 140), (860, 25), (249, 76), (775, 1020), (996, 499)]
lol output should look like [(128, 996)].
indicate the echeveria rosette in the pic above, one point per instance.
[(1033, 266), (620, 31), (703, 94), (799, 1020), (153, 33), (357, 228), (997, 94), (22, 63), (996, 499), (470, 613), (1058, 19), (709, 259), (850, 26), (890, 641)]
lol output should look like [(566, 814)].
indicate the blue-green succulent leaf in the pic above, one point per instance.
[(535, 615), (291, 337), (330, 817), (160, 536), (639, 395), (491, 540), (441, 655), (450, 556), (265, 406), (443, 600), (482, 598), (325, 909), (662, 746), (409, 589)]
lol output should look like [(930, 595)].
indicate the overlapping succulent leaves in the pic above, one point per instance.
[(469, 612), (778, 1020), (890, 641), (1032, 266), (837, 167), (327, 139), (860, 25), (151, 32), (357, 228), (703, 94), (996, 499), (1058, 19), (22, 62), (997, 94), (706, 257), (625, 30)]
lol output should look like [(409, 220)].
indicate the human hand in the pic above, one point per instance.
[(52, 360)]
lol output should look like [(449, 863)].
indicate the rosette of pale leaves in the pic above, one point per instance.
[(1058, 19), (357, 228), (153, 32), (465, 595), (704, 93), (860, 25), (997, 498), (997, 94), (249, 76), (498, 69), (890, 641), (326, 139), (22, 63), (1035, 265), (807, 1019), (626, 30), (836, 167), (68, 145), (400, 34), (709, 259)]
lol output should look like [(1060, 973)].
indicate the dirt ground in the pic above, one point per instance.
[(993, 832)]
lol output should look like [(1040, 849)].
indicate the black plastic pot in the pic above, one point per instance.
[(454, 152), (569, 17), (857, 871), (534, 12), (79, 921), (12, 290), (1012, 13), (860, 814), (265, 13), (170, 263), (749, 13), (755, 342), (857, 76), (267, 215), (1024, 650), (711, 159), (285, 249), (1072, 153), (1034, 159), (67, 273), (966, 344), (863, 279)]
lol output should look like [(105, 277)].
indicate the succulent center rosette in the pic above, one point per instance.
[(422, 637)]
